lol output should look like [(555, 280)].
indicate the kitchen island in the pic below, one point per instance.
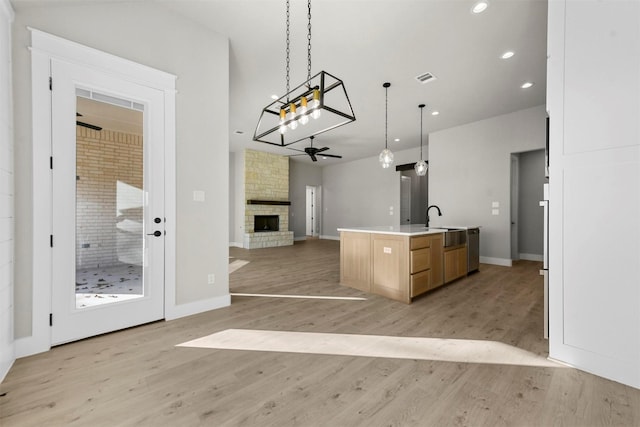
[(399, 262)]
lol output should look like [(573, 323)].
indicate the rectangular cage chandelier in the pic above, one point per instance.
[(316, 106)]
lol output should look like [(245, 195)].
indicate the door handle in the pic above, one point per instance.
[(156, 233)]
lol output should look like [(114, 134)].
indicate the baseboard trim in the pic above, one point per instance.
[(235, 245), (7, 364), (300, 239), (504, 262), (327, 237), (189, 309), (531, 257), (28, 346)]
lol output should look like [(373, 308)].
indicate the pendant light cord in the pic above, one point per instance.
[(421, 111), (386, 113), (309, 43), (288, 51)]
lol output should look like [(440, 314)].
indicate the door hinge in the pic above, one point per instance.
[(50, 83), (51, 240), (51, 162), (50, 319)]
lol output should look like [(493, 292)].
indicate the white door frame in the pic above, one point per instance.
[(44, 48)]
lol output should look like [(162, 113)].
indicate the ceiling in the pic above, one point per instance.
[(367, 43)]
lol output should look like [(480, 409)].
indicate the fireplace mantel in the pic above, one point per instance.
[(269, 202)]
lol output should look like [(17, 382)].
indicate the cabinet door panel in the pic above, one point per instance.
[(355, 260)]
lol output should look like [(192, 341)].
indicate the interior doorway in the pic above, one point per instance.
[(312, 211), (414, 196), (527, 217)]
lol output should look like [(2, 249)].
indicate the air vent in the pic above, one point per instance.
[(425, 78)]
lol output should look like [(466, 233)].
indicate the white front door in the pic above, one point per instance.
[(107, 203)]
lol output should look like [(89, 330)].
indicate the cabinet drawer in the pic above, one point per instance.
[(420, 282), (420, 260), (420, 242)]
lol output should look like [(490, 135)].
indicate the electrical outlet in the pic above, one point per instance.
[(211, 278)]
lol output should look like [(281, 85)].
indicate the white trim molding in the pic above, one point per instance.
[(504, 262)]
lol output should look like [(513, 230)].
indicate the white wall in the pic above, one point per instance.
[(594, 179), (469, 169), (300, 175), (7, 354), (150, 35), (360, 193)]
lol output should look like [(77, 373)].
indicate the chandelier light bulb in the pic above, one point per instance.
[(315, 104), (293, 122), (386, 158), (304, 117), (283, 117)]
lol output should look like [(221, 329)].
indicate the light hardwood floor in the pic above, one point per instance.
[(138, 377)]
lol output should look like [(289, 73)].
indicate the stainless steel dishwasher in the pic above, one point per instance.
[(473, 249)]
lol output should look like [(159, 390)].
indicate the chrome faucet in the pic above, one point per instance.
[(439, 214)]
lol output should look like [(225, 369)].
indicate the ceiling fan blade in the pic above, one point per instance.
[(332, 155), (87, 125), (313, 157), (319, 150)]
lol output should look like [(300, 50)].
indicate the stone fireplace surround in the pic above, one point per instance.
[(267, 193)]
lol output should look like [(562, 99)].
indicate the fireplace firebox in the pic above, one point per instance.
[(264, 223)]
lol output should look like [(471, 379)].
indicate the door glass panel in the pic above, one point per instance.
[(109, 200)]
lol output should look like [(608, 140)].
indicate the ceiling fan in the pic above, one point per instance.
[(311, 151), (86, 125)]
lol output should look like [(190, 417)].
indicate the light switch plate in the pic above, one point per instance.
[(198, 196), (387, 250), (495, 204), (495, 211)]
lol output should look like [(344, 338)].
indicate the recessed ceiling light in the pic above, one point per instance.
[(274, 97), (435, 113), (526, 85), (397, 140), (480, 6), (324, 158), (508, 54)]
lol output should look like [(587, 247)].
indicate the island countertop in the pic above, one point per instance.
[(398, 230)]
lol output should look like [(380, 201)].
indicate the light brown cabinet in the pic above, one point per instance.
[(399, 267), (455, 263)]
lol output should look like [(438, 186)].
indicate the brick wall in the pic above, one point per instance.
[(109, 213)]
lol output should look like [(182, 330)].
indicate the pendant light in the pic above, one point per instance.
[(421, 166), (317, 105), (386, 156)]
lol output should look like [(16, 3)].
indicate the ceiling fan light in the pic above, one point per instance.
[(421, 168)]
